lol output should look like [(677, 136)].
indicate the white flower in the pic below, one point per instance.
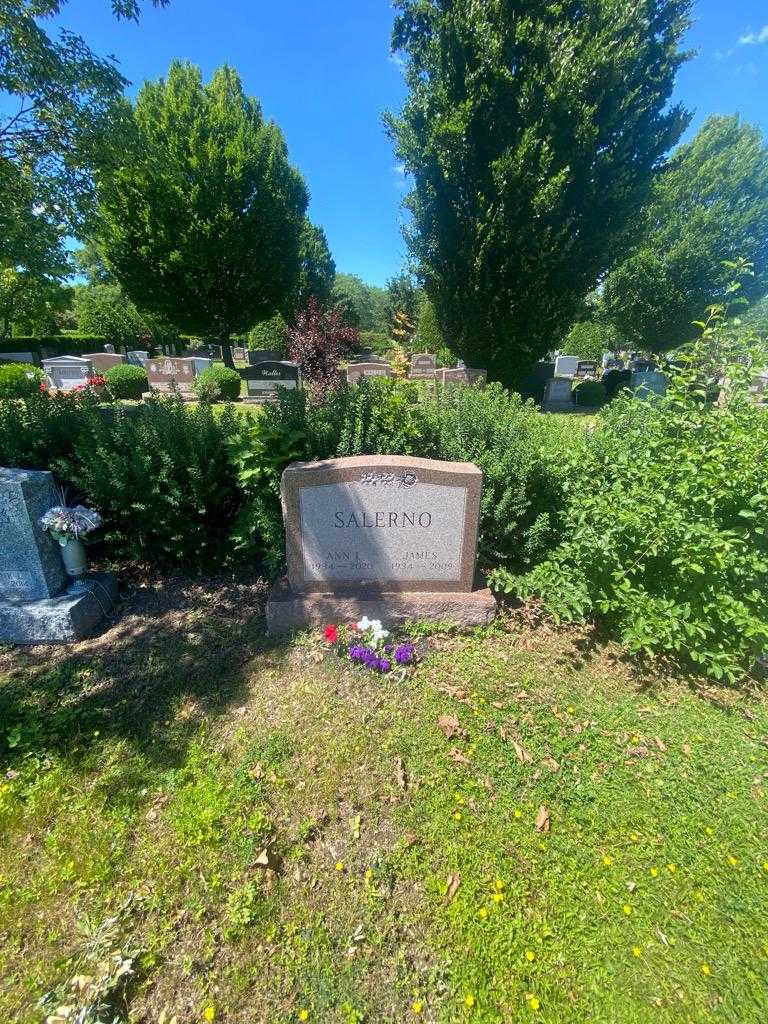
[(379, 633), (366, 623)]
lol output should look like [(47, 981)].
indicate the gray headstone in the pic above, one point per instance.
[(586, 368), (67, 372), (558, 391), (20, 357), (109, 348), (30, 561), (137, 357), (201, 363), (648, 382), (566, 366)]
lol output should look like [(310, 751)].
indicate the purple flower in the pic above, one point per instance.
[(384, 664), (370, 657), (404, 654), (356, 652)]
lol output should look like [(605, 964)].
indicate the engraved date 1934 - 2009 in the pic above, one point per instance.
[(377, 478)]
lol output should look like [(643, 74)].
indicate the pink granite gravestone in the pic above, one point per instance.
[(386, 536)]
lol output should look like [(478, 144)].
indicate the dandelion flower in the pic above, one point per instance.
[(530, 956), (709, 830), (483, 912), (499, 886), (209, 1013), (672, 868), (765, 865), (654, 872), (533, 1002), (417, 1007), (627, 909), (457, 815), (303, 1014), (706, 969), (497, 897), (339, 865), (518, 813), (469, 1000), (636, 951), (607, 861), (732, 860), (634, 836)]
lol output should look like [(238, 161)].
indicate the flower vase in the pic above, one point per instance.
[(74, 558)]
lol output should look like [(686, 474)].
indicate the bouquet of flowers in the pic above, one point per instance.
[(368, 644), (65, 524)]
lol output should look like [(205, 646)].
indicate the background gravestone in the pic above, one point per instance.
[(356, 371), (566, 366), (263, 355), (558, 395), (167, 374), (103, 361), (67, 372), (423, 365), (387, 536), (20, 357), (37, 602), (137, 357), (648, 382), (263, 379)]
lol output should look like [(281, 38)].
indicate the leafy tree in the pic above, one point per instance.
[(104, 309), (33, 258), (317, 341), (403, 296), (363, 305), (429, 337), (202, 221), (709, 206), (532, 131), (590, 338), (317, 271), (403, 329), (90, 264), (62, 99), (269, 334)]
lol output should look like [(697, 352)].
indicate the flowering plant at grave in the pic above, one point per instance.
[(368, 644), (65, 524), (96, 381)]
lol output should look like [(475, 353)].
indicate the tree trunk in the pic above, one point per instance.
[(226, 352)]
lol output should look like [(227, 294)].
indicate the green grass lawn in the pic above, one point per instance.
[(405, 877)]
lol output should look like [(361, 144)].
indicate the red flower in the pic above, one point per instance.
[(331, 634)]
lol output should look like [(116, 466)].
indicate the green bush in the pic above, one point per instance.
[(270, 334), (665, 526), (126, 381), (217, 384), (19, 380), (515, 447), (379, 342), (589, 393)]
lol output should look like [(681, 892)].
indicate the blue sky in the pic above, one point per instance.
[(321, 69)]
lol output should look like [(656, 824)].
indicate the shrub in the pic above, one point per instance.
[(378, 342), (217, 384), (666, 540), (161, 478), (589, 393), (19, 380), (514, 446), (317, 341), (37, 432), (270, 334), (126, 381), (614, 381)]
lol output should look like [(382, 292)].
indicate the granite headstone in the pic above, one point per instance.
[(67, 372), (356, 371), (388, 536), (423, 366), (263, 380), (167, 374)]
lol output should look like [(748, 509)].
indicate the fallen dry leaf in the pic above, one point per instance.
[(543, 823), (551, 763), (454, 754), (450, 727), (454, 881), (522, 754), (453, 691), (402, 778), (257, 772), (660, 744), (503, 733), (686, 750), (268, 858)]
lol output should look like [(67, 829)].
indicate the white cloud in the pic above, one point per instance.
[(399, 61), (754, 38)]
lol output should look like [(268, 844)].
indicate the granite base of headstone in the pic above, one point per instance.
[(386, 536), (356, 371), (38, 603)]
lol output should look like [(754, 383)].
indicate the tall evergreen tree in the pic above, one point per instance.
[(317, 270), (202, 221), (709, 206), (532, 130)]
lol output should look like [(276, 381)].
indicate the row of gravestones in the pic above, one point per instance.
[(559, 391), (423, 367)]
